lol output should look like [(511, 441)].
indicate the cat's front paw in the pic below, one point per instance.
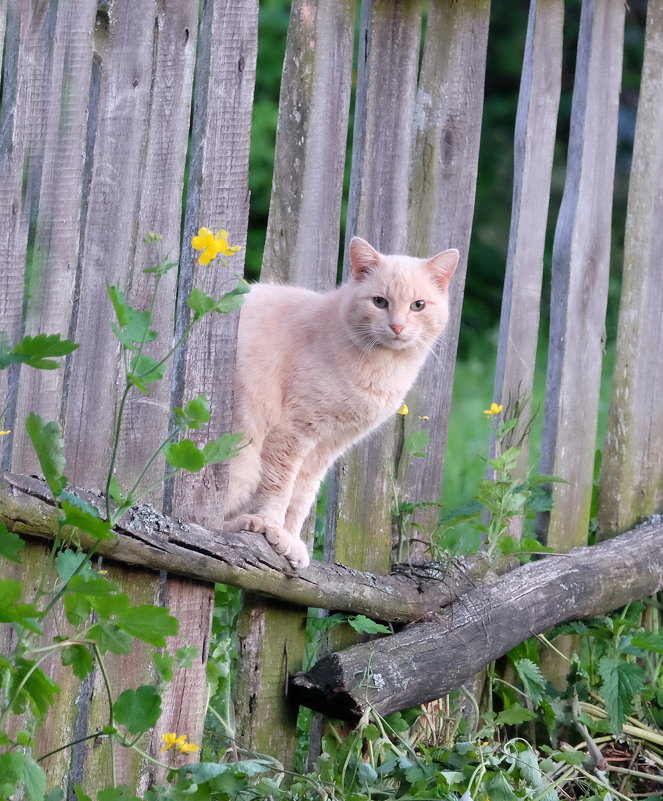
[(282, 542)]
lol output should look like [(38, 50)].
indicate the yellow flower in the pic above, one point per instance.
[(4, 433), (403, 410), (171, 739), (495, 408), (212, 244)]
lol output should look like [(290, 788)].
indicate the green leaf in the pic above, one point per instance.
[(145, 370), (223, 448), (10, 544), (38, 352), (364, 625), (621, 682), (49, 447), (232, 300), (87, 521), (152, 624), (56, 794), (139, 709), (184, 455), (11, 772), (107, 606), (514, 715), (195, 413), (77, 608), (11, 611), (37, 689), (497, 789), (650, 640), (80, 793), (165, 665), (79, 657), (16, 767), (68, 562), (120, 793), (532, 679), (200, 303), (185, 655), (134, 324), (92, 583), (110, 637)]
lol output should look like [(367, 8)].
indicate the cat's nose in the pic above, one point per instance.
[(396, 328)]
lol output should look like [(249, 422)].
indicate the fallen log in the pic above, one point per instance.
[(429, 659), (150, 539)]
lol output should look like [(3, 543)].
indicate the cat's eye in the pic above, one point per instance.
[(418, 305), (381, 303)]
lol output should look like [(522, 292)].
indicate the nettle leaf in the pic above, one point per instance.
[(88, 521), (38, 352), (110, 637), (223, 448), (152, 624), (532, 679), (79, 657), (12, 611), (139, 709), (10, 544), (364, 625), (47, 441), (195, 413), (185, 455), (621, 682), (650, 640)]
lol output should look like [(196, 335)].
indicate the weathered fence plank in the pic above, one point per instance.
[(534, 145), (49, 50), (217, 198), (580, 274), (442, 182), (118, 128), (383, 130), (301, 248), (632, 468)]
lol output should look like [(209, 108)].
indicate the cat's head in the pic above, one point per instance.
[(398, 302)]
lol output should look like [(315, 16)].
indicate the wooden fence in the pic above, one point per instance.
[(95, 143)]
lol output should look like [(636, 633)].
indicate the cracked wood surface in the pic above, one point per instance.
[(150, 539), (429, 659)]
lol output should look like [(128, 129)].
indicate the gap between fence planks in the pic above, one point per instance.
[(159, 542)]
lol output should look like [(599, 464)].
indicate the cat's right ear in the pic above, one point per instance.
[(363, 258)]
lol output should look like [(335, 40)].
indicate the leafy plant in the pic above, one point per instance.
[(101, 618)]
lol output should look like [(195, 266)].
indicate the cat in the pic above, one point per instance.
[(316, 372)]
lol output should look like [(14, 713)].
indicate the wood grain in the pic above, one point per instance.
[(429, 659), (632, 469), (441, 207), (534, 145), (581, 256)]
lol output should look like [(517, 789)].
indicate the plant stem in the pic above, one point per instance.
[(111, 721)]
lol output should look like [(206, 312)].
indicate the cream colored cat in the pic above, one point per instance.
[(318, 371)]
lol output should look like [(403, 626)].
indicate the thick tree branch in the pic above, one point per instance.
[(426, 660), (152, 540)]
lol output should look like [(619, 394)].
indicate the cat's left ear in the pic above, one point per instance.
[(443, 266), (363, 257)]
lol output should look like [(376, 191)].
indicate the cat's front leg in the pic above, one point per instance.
[(283, 452)]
